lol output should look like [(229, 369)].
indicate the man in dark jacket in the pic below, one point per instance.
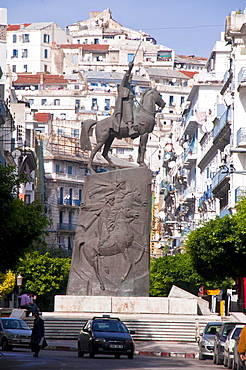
[(37, 334)]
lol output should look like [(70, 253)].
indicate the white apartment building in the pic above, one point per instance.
[(29, 46)]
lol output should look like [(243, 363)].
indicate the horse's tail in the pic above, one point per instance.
[(85, 143)]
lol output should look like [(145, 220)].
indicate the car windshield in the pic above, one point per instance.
[(15, 324), (212, 329), (236, 333), (109, 326)]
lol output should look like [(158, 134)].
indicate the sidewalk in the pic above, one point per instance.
[(142, 348)]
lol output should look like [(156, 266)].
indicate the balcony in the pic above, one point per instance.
[(241, 137), (66, 227), (206, 196), (190, 124), (222, 130), (189, 194), (190, 155), (69, 202), (220, 183), (241, 79), (240, 192)]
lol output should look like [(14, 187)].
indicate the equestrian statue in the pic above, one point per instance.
[(130, 119)]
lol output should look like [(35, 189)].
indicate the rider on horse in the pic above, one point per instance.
[(123, 111)]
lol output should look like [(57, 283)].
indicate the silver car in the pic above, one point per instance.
[(14, 333), (206, 342)]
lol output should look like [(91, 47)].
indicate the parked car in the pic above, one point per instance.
[(105, 335), (14, 333), (237, 363), (219, 341), (206, 342), (229, 345)]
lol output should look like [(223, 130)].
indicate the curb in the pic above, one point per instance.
[(136, 353)]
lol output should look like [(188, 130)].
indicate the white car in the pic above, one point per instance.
[(14, 333), (230, 343)]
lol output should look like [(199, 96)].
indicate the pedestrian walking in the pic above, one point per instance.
[(37, 334)]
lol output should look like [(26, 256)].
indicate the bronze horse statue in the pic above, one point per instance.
[(144, 119)]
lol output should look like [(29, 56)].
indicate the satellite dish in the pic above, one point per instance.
[(19, 97), (32, 87), (171, 164), (179, 150)]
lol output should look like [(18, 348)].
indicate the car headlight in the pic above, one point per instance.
[(128, 341), (208, 343), (100, 340)]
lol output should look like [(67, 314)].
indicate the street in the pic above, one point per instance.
[(23, 359)]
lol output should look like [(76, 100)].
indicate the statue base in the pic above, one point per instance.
[(111, 251)]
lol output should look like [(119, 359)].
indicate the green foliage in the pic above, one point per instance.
[(218, 248), (44, 276), (21, 225), (173, 270)]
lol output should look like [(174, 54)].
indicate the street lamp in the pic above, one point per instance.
[(19, 280)]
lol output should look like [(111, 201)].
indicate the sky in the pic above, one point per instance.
[(190, 27)]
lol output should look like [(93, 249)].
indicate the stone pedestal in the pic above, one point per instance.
[(111, 252)]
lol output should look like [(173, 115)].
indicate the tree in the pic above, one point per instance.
[(44, 276), (21, 225), (173, 270), (218, 248)]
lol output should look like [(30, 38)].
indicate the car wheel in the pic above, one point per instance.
[(130, 356), (229, 363), (5, 345), (80, 353), (234, 365), (225, 362), (91, 353), (201, 356), (117, 356), (214, 358), (218, 360)]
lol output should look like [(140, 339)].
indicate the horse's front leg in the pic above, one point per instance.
[(128, 260), (142, 149)]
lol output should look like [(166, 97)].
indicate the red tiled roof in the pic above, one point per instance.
[(35, 79), (42, 117), (16, 27), (85, 46), (188, 73), (192, 57)]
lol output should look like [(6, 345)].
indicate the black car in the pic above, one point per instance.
[(219, 341), (105, 335)]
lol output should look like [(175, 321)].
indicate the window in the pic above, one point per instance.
[(43, 101), (25, 37), (77, 104), (60, 131), (25, 67), (57, 102), (31, 101), (75, 132), (171, 100), (70, 170), (46, 38), (182, 100), (73, 58), (57, 168), (130, 57), (15, 53), (107, 104), (76, 87), (14, 38), (78, 41), (163, 56), (13, 68), (63, 116), (61, 217), (45, 68), (94, 104), (24, 53), (46, 53), (96, 41), (70, 218)]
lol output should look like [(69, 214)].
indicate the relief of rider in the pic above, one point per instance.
[(123, 111)]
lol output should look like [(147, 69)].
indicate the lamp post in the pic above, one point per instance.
[(19, 280)]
